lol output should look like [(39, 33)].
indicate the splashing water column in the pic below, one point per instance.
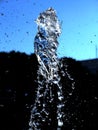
[(45, 46)]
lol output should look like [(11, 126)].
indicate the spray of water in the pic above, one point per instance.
[(45, 46)]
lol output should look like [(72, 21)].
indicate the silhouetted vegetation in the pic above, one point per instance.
[(17, 75), (81, 102), (17, 92)]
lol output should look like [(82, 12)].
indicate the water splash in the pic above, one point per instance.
[(48, 79)]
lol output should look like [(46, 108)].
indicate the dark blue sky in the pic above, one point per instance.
[(79, 19)]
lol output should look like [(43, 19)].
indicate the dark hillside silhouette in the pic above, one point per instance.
[(18, 87), (17, 75)]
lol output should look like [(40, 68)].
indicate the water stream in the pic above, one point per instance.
[(49, 89)]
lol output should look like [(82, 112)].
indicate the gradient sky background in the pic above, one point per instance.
[(79, 19)]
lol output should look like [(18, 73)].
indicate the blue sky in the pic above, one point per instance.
[(79, 19)]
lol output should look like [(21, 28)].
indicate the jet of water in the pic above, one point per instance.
[(48, 79)]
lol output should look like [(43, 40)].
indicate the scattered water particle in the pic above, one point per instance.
[(1, 105), (2, 14), (60, 98), (60, 123), (26, 94), (34, 3), (27, 33), (27, 22), (70, 94), (85, 101), (6, 34), (96, 98), (6, 71), (18, 30)]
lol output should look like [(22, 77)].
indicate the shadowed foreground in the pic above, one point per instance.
[(18, 86)]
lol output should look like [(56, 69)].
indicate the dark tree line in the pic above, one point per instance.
[(18, 87)]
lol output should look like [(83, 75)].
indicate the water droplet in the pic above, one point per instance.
[(70, 94), (60, 123)]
